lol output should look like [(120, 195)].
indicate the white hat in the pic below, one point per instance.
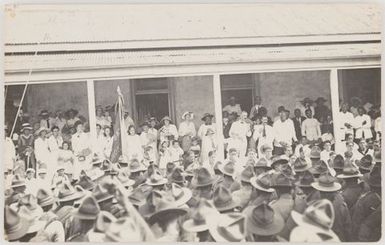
[(187, 113)]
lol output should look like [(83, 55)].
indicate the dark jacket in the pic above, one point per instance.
[(297, 126)]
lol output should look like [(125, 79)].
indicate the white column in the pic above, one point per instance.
[(335, 104), (218, 116), (91, 109)]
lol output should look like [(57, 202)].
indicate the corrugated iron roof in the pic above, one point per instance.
[(61, 25)]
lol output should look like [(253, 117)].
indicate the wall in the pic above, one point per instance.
[(106, 93), (289, 88), (58, 96), (193, 94)]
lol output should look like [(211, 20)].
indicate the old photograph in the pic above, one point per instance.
[(192, 123)]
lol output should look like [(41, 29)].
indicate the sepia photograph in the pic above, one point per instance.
[(257, 122)]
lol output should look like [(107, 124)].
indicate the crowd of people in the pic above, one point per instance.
[(281, 178)]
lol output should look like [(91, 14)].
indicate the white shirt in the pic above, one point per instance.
[(168, 131), (55, 143), (42, 151), (284, 131), (311, 129), (233, 108), (267, 139), (175, 153), (346, 117), (80, 141), (187, 128), (240, 130), (363, 129)]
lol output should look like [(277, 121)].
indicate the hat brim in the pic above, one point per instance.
[(229, 206), (303, 169), (165, 212), (189, 226), (29, 128), (162, 182), (204, 117), (72, 197), (187, 195), (266, 230), (301, 220), (20, 232), (261, 188), (46, 202), (18, 185), (95, 236), (335, 187), (344, 176), (210, 182)]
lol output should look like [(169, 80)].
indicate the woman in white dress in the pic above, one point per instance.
[(42, 151), (168, 131), (66, 157), (107, 145), (187, 130), (208, 140), (134, 145)]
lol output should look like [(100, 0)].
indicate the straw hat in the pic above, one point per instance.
[(88, 209), (15, 226), (25, 126), (166, 118), (227, 227), (198, 221), (263, 221), (262, 182), (326, 183), (165, 207), (187, 113), (44, 197), (202, 178), (181, 194), (349, 171), (41, 129), (223, 200)]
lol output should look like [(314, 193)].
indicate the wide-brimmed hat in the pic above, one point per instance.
[(125, 180), (75, 112), (306, 234), (207, 115), (227, 227), (349, 171), (326, 183), (101, 193), (187, 113), (156, 179), (44, 197), (30, 170), (85, 182), (305, 180), (315, 152), (177, 176), (262, 163), (247, 174), (262, 182), (165, 207), (307, 100), (103, 221), (43, 113), (374, 177), (25, 126), (123, 230), (228, 168), (32, 213), (68, 193), (139, 195), (135, 166), (262, 220), (300, 165), (123, 161), (29, 201), (365, 163), (223, 200), (88, 209), (202, 177), (319, 213), (15, 226), (198, 218), (282, 180), (41, 129), (181, 194), (281, 159), (166, 118), (42, 170), (338, 162), (17, 181), (320, 168)]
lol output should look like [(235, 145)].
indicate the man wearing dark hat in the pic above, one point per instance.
[(202, 184), (283, 187), (352, 189), (262, 190), (244, 193), (228, 177), (307, 103), (366, 217), (328, 188), (18, 190)]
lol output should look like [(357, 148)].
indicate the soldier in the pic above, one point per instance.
[(352, 189)]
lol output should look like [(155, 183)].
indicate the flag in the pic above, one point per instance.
[(119, 129)]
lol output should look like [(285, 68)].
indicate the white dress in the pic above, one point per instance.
[(363, 130), (208, 142), (134, 147)]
